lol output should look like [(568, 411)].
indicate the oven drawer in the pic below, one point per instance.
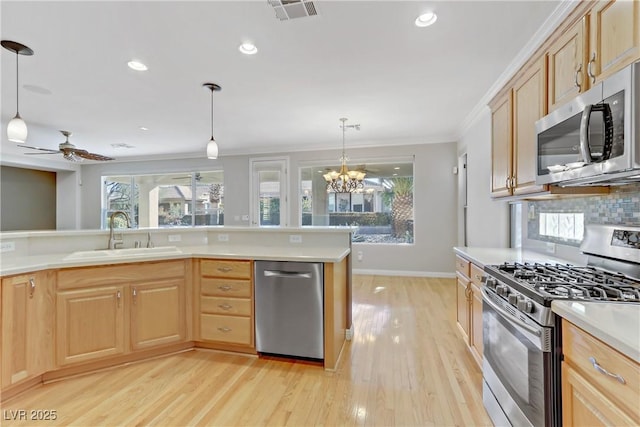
[(462, 266), (581, 350)]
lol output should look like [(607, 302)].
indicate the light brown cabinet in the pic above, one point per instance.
[(225, 300), (513, 143), (108, 311), (614, 37), (469, 305), (567, 58), (600, 386), (27, 313)]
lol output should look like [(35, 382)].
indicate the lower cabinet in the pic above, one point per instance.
[(27, 331), (469, 305), (109, 311), (600, 386), (225, 303)]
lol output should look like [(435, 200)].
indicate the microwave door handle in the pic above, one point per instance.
[(608, 131), (585, 149)]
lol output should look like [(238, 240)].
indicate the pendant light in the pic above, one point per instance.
[(212, 146), (17, 128)]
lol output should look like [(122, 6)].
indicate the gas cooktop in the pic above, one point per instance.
[(555, 281)]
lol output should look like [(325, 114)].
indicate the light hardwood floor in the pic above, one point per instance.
[(406, 366)]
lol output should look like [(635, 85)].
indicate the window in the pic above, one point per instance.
[(382, 210), (167, 200), (565, 226)]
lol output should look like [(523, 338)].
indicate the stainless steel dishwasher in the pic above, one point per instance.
[(289, 308)]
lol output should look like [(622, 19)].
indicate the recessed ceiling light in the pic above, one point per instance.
[(397, 168), (248, 48), (136, 65), (426, 19), (143, 128), (395, 174)]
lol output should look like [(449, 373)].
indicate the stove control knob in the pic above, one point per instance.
[(513, 299), (491, 282), (524, 305), (502, 290), (528, 308)]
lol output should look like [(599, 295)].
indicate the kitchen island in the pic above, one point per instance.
[(82, 308)]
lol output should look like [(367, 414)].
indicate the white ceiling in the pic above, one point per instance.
[(363, 60)]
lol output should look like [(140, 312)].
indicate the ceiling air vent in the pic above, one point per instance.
[(292, 9)]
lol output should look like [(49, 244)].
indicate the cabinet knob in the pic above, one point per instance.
[(225, 269), (134, 293), (225, 306), (225, 288), (224, 329), (32, 286)]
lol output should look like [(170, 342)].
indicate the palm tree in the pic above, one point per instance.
[(402, 205)]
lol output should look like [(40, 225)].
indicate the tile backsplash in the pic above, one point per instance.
[(620, 207)]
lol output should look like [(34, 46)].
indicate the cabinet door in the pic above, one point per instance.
[(475, 336), (157, 313), (614, 30), (529, 105), (501, 146), (462, 306), (584, 405), (90, 324), (27, 316), (567, 66)]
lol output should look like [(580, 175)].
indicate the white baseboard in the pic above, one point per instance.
[(436, 274)]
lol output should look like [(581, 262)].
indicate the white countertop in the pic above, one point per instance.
[(489, 256), (254, 252), (616, 324)]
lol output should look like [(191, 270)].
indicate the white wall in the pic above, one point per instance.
[(434, 202), (487, 219)]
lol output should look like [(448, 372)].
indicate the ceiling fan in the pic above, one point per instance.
[(70, 152)]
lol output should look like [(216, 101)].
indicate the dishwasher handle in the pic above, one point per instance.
[(280, 273)]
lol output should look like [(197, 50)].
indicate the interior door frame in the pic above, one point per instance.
[(281, 164)]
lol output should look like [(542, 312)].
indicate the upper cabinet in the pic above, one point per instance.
[(513, 148), (614, 37), (567, 58)]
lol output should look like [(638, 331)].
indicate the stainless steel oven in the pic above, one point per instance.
[(518, 365)]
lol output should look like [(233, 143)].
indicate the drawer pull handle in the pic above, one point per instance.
[(225, 329), (32, 286), (225, 288), (225, 269), (605, 372), (225, 306)]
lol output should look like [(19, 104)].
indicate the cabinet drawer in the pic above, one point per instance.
[(226, 268), (225, 287), (578, 347), (476, 275), (462, 266), (231, 329), (220, 305)]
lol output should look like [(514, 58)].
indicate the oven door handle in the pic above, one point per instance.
[(509, 316)]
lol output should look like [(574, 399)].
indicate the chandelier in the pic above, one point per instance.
[(345, 181)]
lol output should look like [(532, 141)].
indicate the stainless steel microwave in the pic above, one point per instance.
[(594, 139)]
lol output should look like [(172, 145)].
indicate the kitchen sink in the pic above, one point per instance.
[(120, 253)]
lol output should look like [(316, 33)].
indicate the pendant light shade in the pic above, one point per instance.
[(212, 149), (17, 128), (212, 146)]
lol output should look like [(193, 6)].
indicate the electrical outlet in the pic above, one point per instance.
[(295, 238), (7, 246), (245, 217), (175, 237), (551, 248), (360, 256), (223, 237)]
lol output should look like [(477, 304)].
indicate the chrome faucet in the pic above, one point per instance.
[(113, 241)]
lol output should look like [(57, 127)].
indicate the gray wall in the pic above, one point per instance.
[(27, 199), (434, 202)]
